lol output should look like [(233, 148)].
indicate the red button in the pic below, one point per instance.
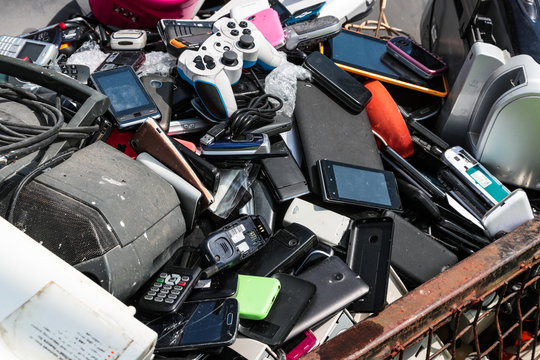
[(181, 283)]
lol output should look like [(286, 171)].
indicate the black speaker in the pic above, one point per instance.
[(106, 214)]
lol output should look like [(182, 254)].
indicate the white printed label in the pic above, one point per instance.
[(54, 325), (243, 247), (237, 233), (481, 179)]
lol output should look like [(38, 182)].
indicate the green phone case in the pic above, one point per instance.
[(255, 296)]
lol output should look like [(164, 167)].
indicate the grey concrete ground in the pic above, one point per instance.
[(17, 16)]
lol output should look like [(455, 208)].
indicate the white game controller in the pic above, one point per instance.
[(249, 41), (211, 73)]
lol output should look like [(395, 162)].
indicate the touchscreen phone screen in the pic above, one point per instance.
[(124, 91), (361, 185)]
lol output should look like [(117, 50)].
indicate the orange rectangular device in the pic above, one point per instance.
[(367, 56)]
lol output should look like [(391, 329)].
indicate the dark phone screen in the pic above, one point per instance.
[(31, 50), (124, 91), (361, 185)]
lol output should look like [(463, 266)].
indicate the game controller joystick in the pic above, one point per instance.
[(248, 40)]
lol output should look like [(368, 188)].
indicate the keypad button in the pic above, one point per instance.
[(154, 288), (163, 275), (174, 292), (158, 284), (164, 292), (178, 288), (148, 297), (181, 283), (152, 293), (158, 299), (160, 295), (167, 287), (169, 301), (171, 296)]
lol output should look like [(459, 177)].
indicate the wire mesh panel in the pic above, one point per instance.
[(483, 308)]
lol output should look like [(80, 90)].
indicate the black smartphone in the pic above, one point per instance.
[(160, 89), (362, 54), (415, 57), (290, 303), (357, 185), (134, 59), (197, 325), (368, 254), (345, 89), (130, 102)]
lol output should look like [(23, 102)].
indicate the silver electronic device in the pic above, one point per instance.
[(39, 52), (504, 129), (345, 11), (453, 120)]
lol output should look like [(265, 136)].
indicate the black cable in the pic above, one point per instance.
[(259, 111), (32, 175), (18, 139)]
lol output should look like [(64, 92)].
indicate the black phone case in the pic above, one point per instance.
[(284, 174), (337, 287), (327, 131), (160, 89), (292, 300), (224, 285), (207, 172), (343, 87), (283, 251), (415, 255), (370, 246)]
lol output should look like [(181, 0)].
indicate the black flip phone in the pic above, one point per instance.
[(283, 251), (352, 94), (370, 246)]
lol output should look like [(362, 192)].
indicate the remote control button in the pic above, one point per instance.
[(243, 24), (185, 277), (152, 293), (229, 58), (169, 301), (158, 284), (246, 32), (172, 296), (207, 58), (167, 287), (148, 297), (235, 32), (197, 59), (231, 25), (158, 299), (246, 42), (174, 292), (178, 288)]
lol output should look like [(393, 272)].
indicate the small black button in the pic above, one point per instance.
[(208, 58), (200, 66), (218, 44), (243, 24), (210, 65), (235, 32), (203, 47), (218, 34), (338, 276), (246, 32), (231, 25), (226, 48), (197, 59)]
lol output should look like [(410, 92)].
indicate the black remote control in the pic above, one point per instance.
[(170, 289)]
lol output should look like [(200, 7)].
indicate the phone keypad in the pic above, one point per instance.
[(9, 45)]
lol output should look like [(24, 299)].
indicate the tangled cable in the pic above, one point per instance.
[(18, 139), (259, 111)]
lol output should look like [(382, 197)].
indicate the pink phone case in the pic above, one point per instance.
[(268, 23), (303, 347)]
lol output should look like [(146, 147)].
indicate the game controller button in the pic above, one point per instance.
[(198, 59), (243, 24), (231, 25), (204, 47), (218, 34), (226, 48), (208, 58), (210, 65), (200, 66), (235, 32), (246, 32), (218, 44), (246, 42), (229, 58)]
